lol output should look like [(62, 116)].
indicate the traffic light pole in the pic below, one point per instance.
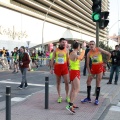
[(97, 45), (97, 34)]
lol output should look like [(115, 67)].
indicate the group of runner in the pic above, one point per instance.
[(70, 63)]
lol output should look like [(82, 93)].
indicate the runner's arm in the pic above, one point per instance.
[(67, 56), (81, 56), (105, 52)]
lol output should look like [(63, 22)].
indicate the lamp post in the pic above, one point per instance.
[(110, 30), (44, 23), (113, 25), (28, 43)]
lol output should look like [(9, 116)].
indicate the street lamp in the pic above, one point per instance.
[(44, 23), (28, 43), (110, 30), (113, 25)]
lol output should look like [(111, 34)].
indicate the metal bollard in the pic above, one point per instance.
[(46, 92), (8, 103)]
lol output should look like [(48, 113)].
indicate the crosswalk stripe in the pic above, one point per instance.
[(9, 82), (17, 99), (115, 108)]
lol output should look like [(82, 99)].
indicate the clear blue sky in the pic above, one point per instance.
[(114, 16)]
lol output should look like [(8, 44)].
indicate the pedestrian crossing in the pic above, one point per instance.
[(31, 84), (115, 108), (18, 99)]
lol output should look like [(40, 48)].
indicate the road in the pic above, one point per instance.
[(36, 82)]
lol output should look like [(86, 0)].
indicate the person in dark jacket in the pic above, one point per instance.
[(115, 61), (85, 66), (23, 65)]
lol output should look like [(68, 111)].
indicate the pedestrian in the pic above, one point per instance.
[(74, 63), (86, 52), (8, 58), (115, 65), (34, 57), (23, 65), (61, 57), (15, 55), (95, 54)]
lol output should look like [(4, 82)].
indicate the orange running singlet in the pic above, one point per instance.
[(97, 62), (60, 67)]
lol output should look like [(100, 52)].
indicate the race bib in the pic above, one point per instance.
[(95, 58), (60, 60)]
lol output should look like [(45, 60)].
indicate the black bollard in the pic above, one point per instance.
[(8, 103), (46, 92)]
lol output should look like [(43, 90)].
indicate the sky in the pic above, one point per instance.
[(114, 16)]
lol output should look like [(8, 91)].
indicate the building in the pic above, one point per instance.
[(45, 21)]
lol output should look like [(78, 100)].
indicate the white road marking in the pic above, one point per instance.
[(115, 108), (17, 99), (118, 104), (41, 85), (0, 95)]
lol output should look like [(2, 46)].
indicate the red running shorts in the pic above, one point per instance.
[(74, 74), (96, 68), (61, 69)]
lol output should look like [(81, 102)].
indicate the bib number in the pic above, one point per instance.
[(60, 60)]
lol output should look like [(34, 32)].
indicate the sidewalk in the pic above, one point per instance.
[(33, 107)]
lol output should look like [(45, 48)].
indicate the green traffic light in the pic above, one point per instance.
[(96, 16)]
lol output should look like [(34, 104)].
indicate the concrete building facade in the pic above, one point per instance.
[(45, 21)]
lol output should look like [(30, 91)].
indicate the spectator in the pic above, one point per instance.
[(15, 60), (23, 65), (8, 58), (115, 61), (86, 52)]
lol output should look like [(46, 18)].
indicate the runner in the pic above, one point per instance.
[(61, 68), (74, 61), (96, 69), (34, 57), (15, 59)]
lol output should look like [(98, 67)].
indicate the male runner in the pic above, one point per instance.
[(96, 69), (61, 68)]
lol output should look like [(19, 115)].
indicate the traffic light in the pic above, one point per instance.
[(104, 22), (96, 7)]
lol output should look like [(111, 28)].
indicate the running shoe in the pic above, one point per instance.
[(67, 99), (70, 109), (96, 102), (59, 100), (86, 100), (13, 72), (32, 70), (75, 107)]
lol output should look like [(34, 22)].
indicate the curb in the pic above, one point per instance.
[(105, 104)]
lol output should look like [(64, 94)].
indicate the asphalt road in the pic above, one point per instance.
[(36, 82)]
